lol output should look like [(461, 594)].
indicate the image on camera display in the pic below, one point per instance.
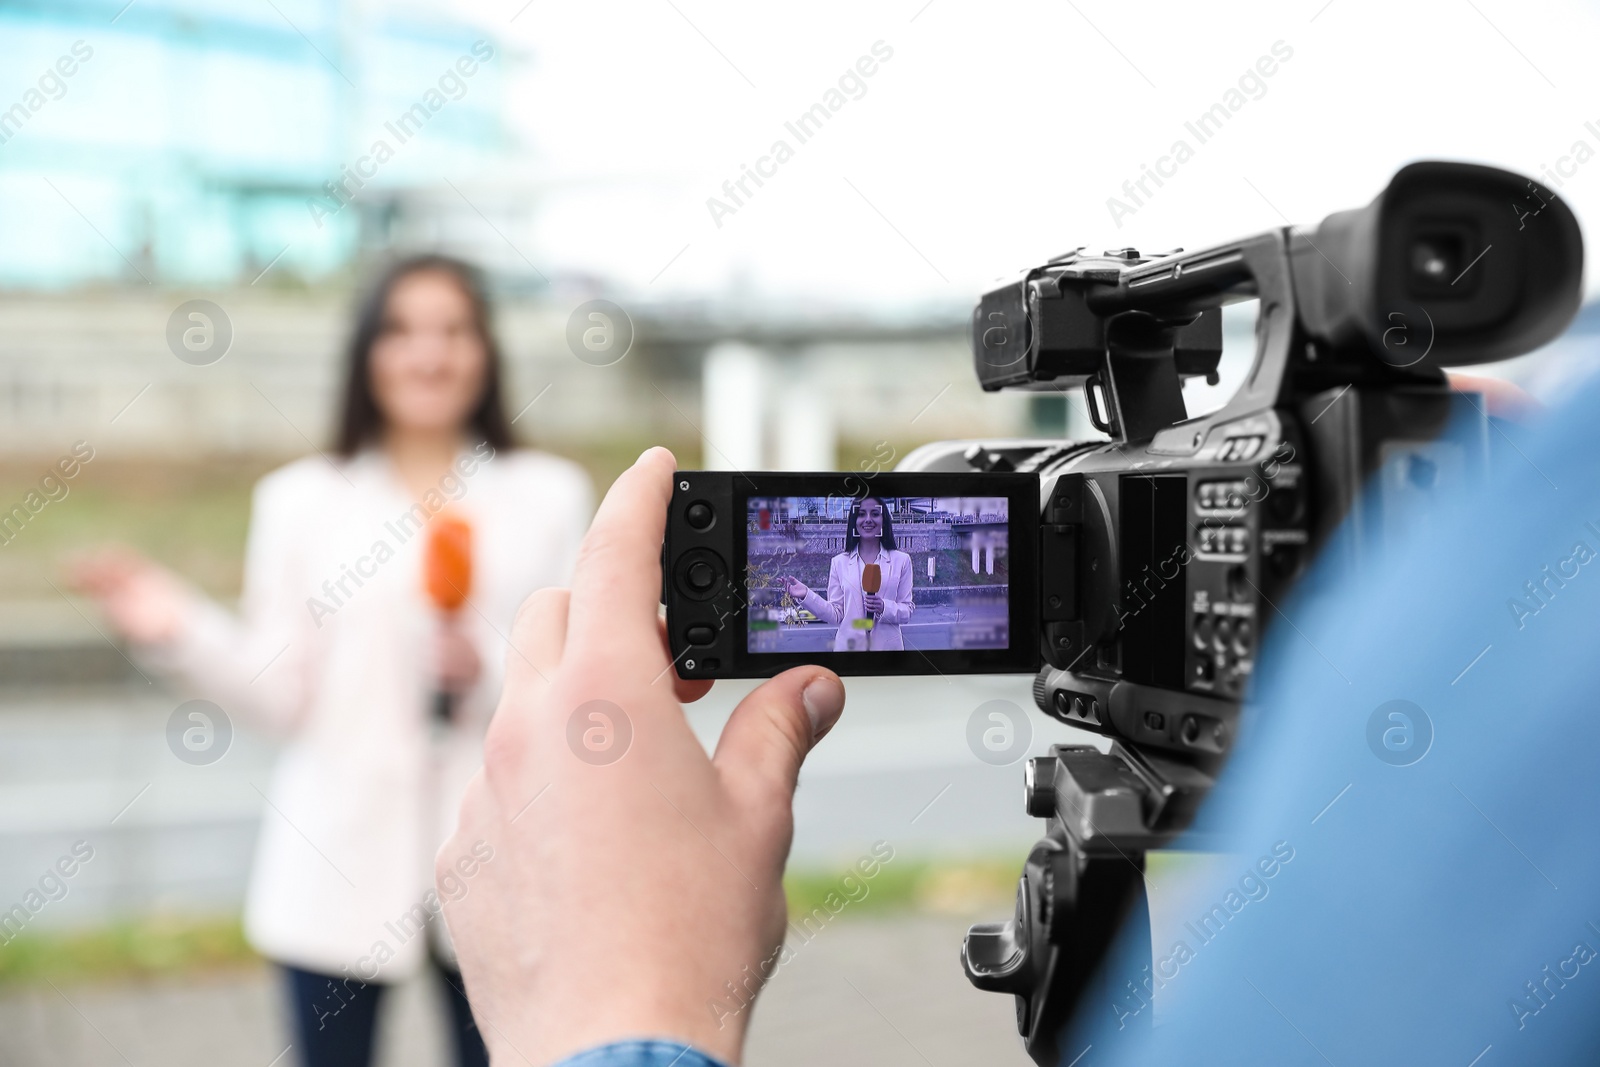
[(877, 574), (930, 572)]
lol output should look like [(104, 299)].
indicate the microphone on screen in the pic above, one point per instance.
[(871, 578), (871, 582), (447, 577)]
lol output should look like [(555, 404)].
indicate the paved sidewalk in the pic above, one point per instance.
[(874, 992)]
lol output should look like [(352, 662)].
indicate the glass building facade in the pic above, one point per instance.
[(173, 142)]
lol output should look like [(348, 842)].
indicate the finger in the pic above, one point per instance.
[(770, 733), (687, 690), (616, 586), (1504, 399), (538, 635)]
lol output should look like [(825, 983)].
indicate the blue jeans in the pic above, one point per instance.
[(334, 1018)]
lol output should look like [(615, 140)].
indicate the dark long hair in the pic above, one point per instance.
[(360, 420), (851, 538)]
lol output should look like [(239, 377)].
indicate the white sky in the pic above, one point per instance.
[(996, 133)]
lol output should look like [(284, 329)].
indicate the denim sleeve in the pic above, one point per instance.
[(1412, 873), (641, 1054)]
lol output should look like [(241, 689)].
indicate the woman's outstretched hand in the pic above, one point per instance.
[(143, 601), (632, 877), (796, 589), (457, 662)]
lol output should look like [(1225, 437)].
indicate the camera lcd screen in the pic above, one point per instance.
[(876, 574)]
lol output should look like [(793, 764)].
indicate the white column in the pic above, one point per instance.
[(1078, 427), (802, 418), (732, 408), (988, 558)]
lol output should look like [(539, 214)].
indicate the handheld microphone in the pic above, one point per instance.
[(447, 576), (871, 578)]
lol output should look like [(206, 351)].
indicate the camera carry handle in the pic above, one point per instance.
[(1138, 393)]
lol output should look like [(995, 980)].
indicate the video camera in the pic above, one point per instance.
[(1136, 573)]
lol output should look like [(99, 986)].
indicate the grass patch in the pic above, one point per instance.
[(192, 515), (903, 884), (158, 946), (136, 948)]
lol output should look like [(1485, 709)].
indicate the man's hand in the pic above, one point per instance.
[(632, 878), (1505, 400)]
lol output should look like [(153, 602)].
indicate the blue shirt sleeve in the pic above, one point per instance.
[(1419, 771), (641, 1054)]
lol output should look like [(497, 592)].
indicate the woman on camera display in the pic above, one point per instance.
[(867, 621)]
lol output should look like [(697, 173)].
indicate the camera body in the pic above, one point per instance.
[(1162, 552), (1171, 544)]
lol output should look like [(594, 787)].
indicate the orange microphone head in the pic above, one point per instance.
[(447, 566), (871, 579)]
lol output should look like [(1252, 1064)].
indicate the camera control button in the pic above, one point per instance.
[(1202, 632), (1222, 635), (700, 635), (699, 515), (1243, 635), (1238, 583), (701, 575)]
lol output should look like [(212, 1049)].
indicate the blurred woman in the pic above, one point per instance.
[(868, 622), (338, 653)]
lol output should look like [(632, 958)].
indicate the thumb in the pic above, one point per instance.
[(771, 731)]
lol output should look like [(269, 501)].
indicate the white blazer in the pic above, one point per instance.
[(364, 793), (843, 606)]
